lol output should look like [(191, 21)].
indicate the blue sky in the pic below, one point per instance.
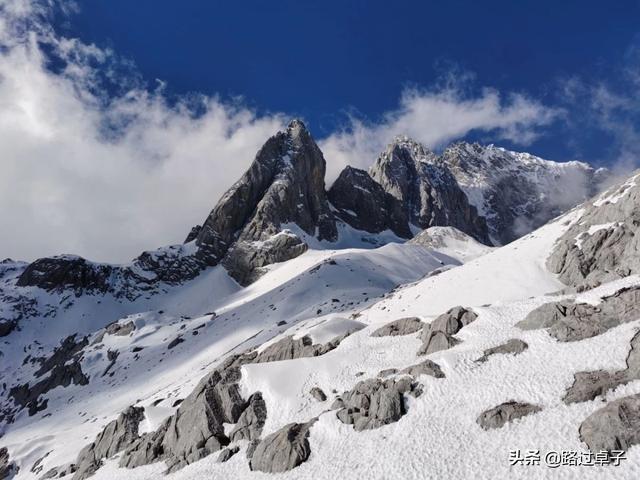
[(123, 122), (324, 60)]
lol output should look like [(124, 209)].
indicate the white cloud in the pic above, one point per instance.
[(67, 187), (108, 177), (434, 118)]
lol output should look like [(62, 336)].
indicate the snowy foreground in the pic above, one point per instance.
[(324, 293)]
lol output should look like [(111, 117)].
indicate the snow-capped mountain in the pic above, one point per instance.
[(518, 192), (296, 333)]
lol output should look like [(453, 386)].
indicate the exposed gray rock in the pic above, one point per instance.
[(27, 396), (289, 348), (284, 185), (114, 438), (6, 466), (568, 321), (497, 416), (604, 244), (251, 421), (244, 261), (402, 326), (146, 449), (438, 335), (283, 450), (120, 329), (613, 427), (387, 372), (374, 402), (427, 190), (227, 453), (519, 192), (589, 385), (361, 202), (427, 367), (196, 429), (513, 346), (318, 394)]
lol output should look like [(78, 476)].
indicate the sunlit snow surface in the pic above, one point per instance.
[(437, 439)]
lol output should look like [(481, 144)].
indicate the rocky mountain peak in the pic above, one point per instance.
[(284, 186), (427, 190)]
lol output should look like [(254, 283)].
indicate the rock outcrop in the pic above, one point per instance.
[(439, 334), (498, 416), (511, 347), (567, 321), (283, 450), (613, 427), (284, 185), (604, 244), (402, 326), (518, 192), (114, 438), (375, 402), (427, 190), (589, 385), (251, 421), (6, 466), (361, 202)]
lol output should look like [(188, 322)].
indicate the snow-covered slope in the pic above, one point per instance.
[(319, 287)]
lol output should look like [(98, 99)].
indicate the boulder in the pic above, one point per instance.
[(318, 394), (374, 403), (227, 453), (282, 450), (589, 385), (427, 367), (402, 326), (613, 427), (498, 416), (439, 334), (568, 321), (511, 347)]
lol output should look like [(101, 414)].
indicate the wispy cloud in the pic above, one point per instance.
[(435, 117), (106, 176)]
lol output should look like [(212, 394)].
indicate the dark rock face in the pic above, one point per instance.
[(518, 192), (245, 260), (171, 265), (427, 190), (7, 326), (114, 438), (569, 321), (318, 394), (251, 421), (227, 453), (6, 466), (511, 347), (589, 385), (439, 334), (284, 185), (283, 450), (402, 326), (362, 203), (604, 244), (374, 403), (63, 367), (613, 427), (505, 412), (193, 234)]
